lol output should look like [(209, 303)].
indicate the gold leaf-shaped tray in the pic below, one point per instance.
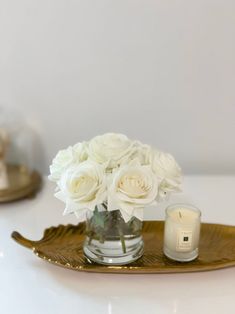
[(62, 246)]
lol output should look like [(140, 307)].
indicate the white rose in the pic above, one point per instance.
[(168, 171), (164, 165), (166, 187), (142, 153), (60, 163), (66, 158), (80, 152), (111, 149), (132, 188), (82, 187)]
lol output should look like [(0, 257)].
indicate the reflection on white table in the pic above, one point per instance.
[(28, 285)]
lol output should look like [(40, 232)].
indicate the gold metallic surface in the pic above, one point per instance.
[(22, 184), (62, 246)]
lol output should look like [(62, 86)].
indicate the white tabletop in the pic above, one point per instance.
[(29, 285)]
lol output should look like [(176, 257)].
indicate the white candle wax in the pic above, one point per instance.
[(182, 232)]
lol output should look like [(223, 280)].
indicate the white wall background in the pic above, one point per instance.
[(159, 71)]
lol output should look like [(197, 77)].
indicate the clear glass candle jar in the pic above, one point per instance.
[(182, 232)]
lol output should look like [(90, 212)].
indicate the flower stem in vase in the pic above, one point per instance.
[(91, 235), (104, 224), (122, 239), (118, 220)]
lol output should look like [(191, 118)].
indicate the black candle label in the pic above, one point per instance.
[(184, 240)]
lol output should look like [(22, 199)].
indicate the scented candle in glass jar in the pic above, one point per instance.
[(182, 232)]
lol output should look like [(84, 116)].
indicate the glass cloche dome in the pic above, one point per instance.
[(18, 177)]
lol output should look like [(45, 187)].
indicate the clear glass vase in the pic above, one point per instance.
[(112, 241)]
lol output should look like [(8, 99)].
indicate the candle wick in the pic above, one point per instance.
[(180, 214)]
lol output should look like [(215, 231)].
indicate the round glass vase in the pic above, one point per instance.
[(112, 241)]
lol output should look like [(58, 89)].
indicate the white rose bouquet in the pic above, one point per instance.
[(112, 172)]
